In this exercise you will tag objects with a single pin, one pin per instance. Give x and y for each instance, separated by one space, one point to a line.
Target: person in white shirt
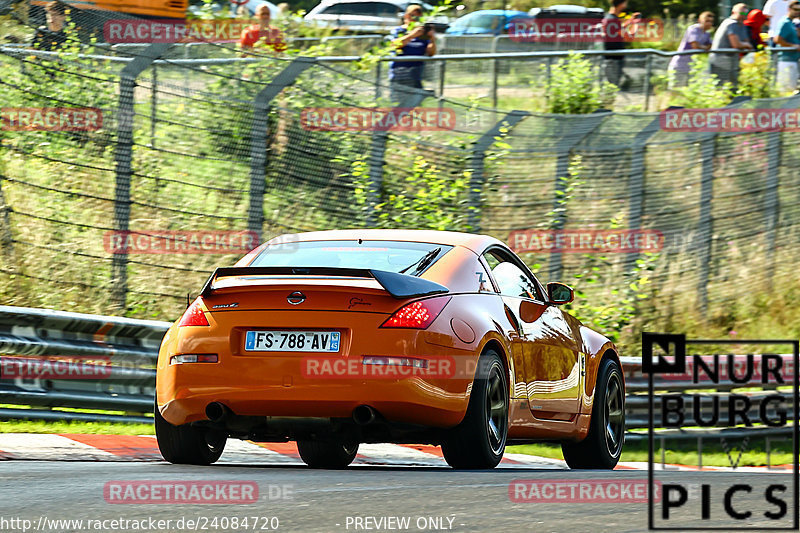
775 10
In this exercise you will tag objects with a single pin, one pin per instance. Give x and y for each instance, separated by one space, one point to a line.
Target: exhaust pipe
364 414
218 412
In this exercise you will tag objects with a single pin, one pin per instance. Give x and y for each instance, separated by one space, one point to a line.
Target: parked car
486 21
363 16
337 338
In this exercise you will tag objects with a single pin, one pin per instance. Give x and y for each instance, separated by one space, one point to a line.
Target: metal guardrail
117 356
128 349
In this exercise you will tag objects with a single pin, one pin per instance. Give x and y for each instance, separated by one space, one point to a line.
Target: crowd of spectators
743 31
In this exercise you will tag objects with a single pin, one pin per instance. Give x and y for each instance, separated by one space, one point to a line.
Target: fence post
378 73
705 222
258 140
476 181
771 203
412 98
153 103
647 72
123 156
636 183
6 237
593 121
442 73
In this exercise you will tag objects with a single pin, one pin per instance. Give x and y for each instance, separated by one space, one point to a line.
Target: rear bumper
278 386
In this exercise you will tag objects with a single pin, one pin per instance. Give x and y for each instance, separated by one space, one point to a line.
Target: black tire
333 455
480 440
602 447
186 444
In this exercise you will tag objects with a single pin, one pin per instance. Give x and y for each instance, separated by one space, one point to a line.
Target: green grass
98 428
682 452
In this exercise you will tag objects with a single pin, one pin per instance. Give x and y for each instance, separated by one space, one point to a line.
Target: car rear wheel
480 440
186 444
602 447
333 455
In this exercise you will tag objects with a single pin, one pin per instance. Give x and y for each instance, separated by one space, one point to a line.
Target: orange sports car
335 338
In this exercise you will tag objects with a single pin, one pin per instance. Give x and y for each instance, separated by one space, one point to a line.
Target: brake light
417 315
194 315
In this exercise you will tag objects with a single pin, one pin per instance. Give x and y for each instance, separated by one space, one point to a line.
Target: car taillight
194 358
194 315
417 315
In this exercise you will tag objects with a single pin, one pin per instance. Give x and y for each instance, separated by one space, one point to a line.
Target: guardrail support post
123 156
258 140
476 182
699 452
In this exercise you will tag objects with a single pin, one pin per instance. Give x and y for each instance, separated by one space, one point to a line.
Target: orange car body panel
551 380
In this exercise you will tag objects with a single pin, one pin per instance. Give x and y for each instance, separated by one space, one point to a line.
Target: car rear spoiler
398 285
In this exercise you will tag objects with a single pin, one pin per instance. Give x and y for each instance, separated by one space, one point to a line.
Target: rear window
393 256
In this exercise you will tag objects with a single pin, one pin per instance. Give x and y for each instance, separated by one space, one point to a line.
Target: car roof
400 3
476 243
507 12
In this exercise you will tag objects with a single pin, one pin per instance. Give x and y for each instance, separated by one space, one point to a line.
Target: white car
360 15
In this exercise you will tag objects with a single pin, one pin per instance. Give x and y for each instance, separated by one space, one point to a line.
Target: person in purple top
697 37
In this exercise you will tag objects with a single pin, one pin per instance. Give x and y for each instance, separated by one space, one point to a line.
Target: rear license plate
292 341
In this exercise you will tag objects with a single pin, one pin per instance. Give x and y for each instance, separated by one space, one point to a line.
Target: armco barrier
121 352
128 350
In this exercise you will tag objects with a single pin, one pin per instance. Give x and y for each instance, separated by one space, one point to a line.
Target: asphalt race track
361 498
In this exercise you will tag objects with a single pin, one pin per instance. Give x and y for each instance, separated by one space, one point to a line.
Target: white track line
46 447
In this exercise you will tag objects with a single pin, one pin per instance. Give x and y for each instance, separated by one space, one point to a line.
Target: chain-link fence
224 142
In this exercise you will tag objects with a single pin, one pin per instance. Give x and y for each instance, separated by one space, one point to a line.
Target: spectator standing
53 35
754 22
614 39
787 61
419 41
262 32
697 37
730 34
775 10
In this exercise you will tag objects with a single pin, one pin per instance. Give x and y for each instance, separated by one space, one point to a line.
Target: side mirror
560 294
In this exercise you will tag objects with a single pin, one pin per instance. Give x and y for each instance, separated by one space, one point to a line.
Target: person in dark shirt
52 36
614 39
419 41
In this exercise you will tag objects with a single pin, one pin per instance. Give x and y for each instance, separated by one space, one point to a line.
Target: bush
572 88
